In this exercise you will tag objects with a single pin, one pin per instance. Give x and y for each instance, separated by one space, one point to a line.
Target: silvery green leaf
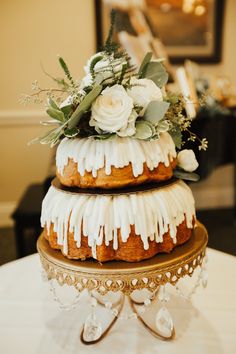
188 176
84 106
49 122
176 136
144 130
56 114
67 110
52 104
51 136
144 63
162 126
156 72
34 141
155 111
48 137
71 133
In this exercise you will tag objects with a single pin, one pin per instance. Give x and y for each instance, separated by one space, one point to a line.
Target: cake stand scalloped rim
123 276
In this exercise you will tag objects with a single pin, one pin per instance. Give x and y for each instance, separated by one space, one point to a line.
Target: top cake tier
114 163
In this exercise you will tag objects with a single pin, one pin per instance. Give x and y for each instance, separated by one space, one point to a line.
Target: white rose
129 130
143 92
111 110
186 159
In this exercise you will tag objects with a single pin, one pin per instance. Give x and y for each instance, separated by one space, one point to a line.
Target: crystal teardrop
204 278
92 329
163 296
164 322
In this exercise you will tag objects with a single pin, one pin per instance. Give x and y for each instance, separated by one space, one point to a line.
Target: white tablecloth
32 323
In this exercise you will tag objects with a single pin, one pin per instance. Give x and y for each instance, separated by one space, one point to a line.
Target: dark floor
219 223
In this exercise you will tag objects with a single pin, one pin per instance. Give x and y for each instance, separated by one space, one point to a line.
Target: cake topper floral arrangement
115 99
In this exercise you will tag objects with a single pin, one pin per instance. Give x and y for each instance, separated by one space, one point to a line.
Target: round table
31 321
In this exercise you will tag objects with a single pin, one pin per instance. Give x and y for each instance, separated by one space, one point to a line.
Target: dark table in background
27 214
220 131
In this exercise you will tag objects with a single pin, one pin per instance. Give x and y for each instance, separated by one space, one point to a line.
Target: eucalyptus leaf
144 63
53 104
49 122
52 136
144 130
188 176
48 137
162 126
67 110
156 72
155 111
71 133
176 136
84 106
56 114
34 141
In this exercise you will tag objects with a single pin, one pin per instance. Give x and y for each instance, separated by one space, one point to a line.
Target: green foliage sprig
71 119
67 72
180 122
110 47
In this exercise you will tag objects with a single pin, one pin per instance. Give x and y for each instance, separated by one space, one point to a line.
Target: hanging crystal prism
164 323
163 296
92 328
204 278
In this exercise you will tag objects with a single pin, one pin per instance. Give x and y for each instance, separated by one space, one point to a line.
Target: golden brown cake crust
130 251
119 177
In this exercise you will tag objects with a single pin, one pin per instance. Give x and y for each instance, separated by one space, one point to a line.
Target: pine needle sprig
110 46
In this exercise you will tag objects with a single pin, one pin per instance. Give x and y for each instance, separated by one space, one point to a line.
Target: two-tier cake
115 197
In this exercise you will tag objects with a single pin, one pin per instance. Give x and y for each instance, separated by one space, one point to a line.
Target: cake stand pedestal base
100 279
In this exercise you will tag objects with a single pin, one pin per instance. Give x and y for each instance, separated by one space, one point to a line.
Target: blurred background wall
36 31
32 32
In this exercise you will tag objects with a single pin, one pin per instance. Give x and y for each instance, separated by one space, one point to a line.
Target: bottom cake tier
128 227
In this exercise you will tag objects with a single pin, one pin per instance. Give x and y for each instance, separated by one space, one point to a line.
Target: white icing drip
99 217
92 155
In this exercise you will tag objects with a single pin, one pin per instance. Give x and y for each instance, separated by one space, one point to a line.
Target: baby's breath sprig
204 144
35 85
24 99
181 122
36 96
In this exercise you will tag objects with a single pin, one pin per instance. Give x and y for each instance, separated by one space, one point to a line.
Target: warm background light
36 31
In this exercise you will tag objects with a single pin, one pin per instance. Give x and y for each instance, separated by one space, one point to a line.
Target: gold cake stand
125 277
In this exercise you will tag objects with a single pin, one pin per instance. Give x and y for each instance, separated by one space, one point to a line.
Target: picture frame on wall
187 29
